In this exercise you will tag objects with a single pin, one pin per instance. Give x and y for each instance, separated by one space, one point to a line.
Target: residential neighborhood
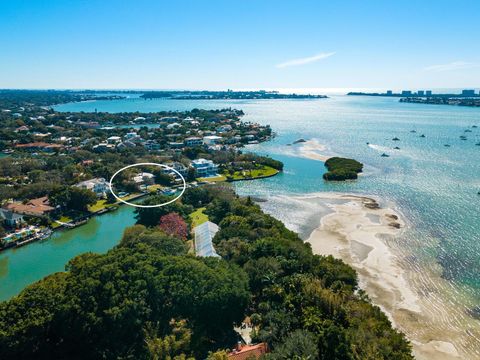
55 167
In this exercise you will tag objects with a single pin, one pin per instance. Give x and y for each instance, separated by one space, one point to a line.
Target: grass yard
63 219
154 188
261 171
198 217
99 205
213 179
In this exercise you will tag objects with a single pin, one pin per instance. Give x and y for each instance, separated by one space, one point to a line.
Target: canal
22 266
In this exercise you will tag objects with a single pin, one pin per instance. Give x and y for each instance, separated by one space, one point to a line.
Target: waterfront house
11 219
34 207
98 185
178 167
205 168
144 178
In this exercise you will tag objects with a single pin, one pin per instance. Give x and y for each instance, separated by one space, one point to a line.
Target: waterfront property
144 178
182 169
11 219
33 207
98 185
204 168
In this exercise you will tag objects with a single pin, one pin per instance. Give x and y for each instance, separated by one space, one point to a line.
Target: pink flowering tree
174 225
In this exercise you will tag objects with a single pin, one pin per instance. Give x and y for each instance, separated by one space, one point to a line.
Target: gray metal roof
204 234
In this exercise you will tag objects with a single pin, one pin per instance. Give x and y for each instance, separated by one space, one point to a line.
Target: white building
144 178
114 139
205 168
212 140
173 125
98 185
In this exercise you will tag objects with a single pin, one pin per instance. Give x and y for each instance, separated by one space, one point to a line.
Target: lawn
99 205
130 197
63 219
154 188
213 179
198 217
261 171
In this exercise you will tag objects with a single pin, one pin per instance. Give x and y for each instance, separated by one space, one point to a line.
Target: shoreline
357 231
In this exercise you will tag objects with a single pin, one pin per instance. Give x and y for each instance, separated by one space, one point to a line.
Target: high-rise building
468 92
420 93
406 93
389 92
429 92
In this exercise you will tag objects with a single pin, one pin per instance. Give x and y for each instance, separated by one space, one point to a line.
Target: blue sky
239 44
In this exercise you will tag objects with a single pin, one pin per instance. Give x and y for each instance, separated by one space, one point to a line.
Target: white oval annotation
147 164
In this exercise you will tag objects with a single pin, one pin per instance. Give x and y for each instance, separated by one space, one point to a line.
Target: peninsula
443 100
226 95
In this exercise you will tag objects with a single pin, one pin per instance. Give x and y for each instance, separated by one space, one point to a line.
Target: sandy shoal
356 232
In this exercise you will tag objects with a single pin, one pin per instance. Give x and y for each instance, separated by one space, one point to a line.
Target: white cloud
455 65
306 60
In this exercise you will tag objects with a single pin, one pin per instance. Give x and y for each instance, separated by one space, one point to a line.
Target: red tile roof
244 352
38 206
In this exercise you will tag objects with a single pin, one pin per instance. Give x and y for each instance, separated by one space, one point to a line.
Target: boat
446 145
395 139
477 144
396 148
168 191
413 131
385 155
463 137
422 136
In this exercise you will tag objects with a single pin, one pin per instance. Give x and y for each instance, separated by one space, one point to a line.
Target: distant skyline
242 44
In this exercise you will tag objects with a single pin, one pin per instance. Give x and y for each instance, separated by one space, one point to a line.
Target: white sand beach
356 232
312 149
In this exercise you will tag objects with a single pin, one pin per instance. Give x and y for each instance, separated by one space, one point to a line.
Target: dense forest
148 298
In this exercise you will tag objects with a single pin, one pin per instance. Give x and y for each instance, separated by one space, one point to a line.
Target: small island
341 169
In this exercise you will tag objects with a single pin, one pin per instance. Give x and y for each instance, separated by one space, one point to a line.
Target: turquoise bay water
434 186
